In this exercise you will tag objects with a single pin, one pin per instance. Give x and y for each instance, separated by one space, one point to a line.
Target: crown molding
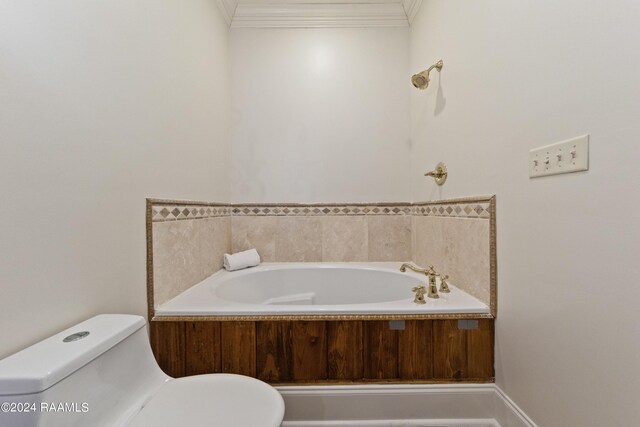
227 9
320 15
411 8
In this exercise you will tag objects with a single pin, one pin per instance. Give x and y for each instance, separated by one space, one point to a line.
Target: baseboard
394 423
511 413
372 405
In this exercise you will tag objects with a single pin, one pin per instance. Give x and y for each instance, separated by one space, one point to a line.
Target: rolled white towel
241 260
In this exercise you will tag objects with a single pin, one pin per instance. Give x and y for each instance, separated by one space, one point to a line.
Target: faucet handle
420 291
444 287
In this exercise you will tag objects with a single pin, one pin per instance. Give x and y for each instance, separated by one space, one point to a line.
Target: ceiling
318 13
284 2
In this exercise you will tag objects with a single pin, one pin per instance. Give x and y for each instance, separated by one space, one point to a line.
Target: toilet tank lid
47 362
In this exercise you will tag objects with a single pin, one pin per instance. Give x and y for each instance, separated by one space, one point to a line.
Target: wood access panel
331 351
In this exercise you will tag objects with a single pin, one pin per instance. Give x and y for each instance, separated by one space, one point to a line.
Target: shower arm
438 65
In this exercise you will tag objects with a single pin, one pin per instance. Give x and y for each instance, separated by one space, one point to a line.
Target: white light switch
567 156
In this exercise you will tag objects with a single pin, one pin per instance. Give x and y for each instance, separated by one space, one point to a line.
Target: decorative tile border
176 212
456 210
321 210
172 210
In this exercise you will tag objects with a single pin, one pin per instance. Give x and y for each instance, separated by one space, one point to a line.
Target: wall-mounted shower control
562 157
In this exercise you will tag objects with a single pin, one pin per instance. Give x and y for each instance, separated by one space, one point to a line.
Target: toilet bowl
102 372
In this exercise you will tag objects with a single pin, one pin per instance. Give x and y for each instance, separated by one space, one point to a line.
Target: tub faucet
431 274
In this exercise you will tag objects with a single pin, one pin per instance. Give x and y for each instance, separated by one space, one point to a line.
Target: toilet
101 372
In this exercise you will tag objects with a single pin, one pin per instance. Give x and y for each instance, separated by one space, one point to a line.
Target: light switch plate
567 156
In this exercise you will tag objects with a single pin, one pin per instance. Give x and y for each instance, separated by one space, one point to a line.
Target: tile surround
298 239
345 238
186 252
389 238
330 238
458 236
254 232
459 247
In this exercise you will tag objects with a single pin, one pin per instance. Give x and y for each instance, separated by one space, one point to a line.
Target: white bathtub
315 289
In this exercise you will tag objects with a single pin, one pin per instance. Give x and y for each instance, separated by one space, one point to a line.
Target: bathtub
316 289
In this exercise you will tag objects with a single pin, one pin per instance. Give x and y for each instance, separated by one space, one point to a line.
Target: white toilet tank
97 379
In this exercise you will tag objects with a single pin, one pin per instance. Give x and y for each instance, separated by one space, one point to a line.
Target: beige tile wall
389 238
187 251
324 238
459 247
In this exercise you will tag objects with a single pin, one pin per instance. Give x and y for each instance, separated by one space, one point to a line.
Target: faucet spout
411 267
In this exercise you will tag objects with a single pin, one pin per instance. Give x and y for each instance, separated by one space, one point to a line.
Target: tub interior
317 286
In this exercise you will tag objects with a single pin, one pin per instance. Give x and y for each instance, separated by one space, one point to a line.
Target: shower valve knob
440 174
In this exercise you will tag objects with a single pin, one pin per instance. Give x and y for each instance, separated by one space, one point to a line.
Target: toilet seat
223 400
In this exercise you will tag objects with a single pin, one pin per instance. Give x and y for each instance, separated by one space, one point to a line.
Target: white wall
320 115
102 103
517 75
